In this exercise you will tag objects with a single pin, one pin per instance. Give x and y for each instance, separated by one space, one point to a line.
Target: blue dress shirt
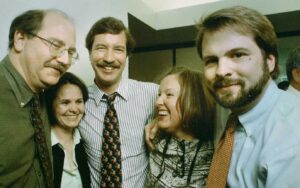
266 151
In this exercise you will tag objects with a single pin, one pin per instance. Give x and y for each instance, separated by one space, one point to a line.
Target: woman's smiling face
169 117
68 106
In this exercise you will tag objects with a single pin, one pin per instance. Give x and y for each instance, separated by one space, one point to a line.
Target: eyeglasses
57 49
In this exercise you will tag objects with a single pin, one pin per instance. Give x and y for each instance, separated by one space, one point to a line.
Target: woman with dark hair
65 103
184 143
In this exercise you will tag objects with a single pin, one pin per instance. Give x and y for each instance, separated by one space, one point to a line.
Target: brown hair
52 92
30 22
109 25
197 107
244 21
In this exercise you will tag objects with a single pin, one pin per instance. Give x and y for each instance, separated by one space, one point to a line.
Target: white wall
84 12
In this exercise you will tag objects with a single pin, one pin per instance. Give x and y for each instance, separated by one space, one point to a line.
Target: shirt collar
20 88
249 120
293 90
96 93
54 139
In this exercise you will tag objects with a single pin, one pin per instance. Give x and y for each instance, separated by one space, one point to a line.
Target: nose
159 101
64 58
73 107
109 56
224 67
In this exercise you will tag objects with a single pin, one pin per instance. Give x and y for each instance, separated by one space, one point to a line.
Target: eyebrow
62 43
120 46
172 90
237 49
227 52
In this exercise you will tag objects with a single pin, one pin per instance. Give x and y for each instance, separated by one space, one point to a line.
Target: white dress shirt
134 105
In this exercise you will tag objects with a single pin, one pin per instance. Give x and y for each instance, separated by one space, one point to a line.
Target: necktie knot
232 123
110 98
35 103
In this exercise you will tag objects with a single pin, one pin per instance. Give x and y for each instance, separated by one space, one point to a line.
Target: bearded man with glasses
41 49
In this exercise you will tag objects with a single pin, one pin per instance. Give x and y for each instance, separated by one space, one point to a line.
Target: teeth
108 68
163 113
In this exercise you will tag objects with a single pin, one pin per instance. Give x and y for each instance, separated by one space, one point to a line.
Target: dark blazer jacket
81 159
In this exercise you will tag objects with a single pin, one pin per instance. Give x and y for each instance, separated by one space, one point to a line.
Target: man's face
108 58
40 68
235 69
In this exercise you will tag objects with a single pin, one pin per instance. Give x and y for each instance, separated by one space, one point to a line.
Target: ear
296 75
271 62
19 40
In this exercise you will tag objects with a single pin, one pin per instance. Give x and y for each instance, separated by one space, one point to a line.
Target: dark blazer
81 159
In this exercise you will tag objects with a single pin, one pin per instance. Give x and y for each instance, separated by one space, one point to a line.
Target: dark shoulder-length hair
52 92
196 105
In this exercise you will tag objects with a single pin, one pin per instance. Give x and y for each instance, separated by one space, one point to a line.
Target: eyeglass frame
60 49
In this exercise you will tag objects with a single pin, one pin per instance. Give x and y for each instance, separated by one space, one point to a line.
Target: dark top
19 163
81 159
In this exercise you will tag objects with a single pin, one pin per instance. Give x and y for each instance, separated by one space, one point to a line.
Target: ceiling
164 14
164 23
162 5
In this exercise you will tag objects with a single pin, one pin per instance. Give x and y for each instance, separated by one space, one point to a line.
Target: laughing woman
184 143
65 102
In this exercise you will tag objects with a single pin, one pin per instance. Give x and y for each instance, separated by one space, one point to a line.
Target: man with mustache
238 48
41 49
109 43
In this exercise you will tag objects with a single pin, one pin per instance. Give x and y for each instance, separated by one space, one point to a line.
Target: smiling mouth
72 118
163 113
227 86
108 68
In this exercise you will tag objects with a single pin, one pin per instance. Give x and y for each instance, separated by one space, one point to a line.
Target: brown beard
244 97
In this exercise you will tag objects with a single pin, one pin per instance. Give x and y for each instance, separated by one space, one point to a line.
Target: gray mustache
58 66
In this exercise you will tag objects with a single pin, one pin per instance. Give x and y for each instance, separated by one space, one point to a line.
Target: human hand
150 132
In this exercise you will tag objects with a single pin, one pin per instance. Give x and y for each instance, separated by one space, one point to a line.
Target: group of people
56 132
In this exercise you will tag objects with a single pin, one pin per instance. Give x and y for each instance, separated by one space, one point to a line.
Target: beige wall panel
188 57
147 66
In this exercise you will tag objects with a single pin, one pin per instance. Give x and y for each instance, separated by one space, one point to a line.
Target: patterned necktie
40 141
219 169
111 171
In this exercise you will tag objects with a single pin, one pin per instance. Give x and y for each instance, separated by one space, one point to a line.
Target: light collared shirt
70 177
134 105
266 151
293 91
